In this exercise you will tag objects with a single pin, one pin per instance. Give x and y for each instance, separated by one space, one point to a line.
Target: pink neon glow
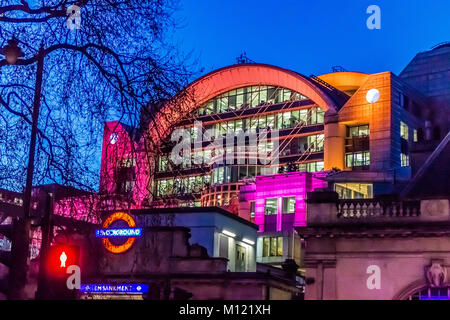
295 184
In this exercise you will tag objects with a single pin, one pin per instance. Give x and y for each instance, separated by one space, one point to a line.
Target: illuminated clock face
373 95
113 138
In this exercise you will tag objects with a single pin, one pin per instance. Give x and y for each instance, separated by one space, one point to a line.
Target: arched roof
233 77
345 80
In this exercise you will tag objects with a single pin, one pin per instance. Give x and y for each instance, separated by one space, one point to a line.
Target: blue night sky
311 36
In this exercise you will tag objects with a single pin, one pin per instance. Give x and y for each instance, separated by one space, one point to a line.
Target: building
253 134
383 248
321 123
221 233
170 267
276 204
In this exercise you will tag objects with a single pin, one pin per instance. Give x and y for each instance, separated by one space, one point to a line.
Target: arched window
431 293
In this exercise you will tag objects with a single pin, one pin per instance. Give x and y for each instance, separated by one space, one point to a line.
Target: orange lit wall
358 111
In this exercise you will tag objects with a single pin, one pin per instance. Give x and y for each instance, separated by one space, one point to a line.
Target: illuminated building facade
356 129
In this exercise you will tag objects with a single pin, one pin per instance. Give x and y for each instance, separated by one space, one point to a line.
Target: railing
372 208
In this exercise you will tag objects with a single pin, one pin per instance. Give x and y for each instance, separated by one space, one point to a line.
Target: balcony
372 208
326 210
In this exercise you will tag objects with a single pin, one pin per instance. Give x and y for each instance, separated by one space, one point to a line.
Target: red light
62 256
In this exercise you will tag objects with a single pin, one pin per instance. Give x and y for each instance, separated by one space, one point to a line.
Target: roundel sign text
119 232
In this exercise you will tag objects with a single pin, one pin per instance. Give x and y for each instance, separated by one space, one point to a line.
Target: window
252 209
288 205
415 136
431 293
271 206
358 131
357 159
163 163
304 116
315 143
320 115
354 190
404 159
272 246
403 130
314 166
313 118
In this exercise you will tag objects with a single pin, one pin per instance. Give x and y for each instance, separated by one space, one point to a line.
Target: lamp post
21 236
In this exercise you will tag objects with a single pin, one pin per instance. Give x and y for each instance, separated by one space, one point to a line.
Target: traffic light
59 258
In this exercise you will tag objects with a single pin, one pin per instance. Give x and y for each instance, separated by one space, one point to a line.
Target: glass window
320 139
210 107
272 246
271 95
404 159
295 115
255 99
218 175
222 105
279 246
238 125
252 209
304 116
263 96
266 246
271 121
313 118
320 115
286 95
320 166
415 135
286 120
279 118
357 159
271 206
239 100
358 131
403 130
262 124
163 161
253 124
232 102
354 190
288 205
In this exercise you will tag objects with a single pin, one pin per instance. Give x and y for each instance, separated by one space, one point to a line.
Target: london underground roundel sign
119 232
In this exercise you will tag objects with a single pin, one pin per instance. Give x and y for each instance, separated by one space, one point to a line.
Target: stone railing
368 208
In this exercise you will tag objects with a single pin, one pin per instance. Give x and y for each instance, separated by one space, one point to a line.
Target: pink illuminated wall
118 146
294 184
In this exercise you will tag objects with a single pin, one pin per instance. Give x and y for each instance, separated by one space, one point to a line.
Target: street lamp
12 52
21 239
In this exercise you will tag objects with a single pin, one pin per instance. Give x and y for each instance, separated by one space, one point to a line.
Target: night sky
311 36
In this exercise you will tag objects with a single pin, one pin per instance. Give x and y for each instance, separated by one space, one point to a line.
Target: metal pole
47 235
21 239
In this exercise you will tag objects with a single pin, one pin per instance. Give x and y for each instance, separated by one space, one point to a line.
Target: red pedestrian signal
62 256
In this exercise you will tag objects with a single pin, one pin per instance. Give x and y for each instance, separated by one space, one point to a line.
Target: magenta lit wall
294 184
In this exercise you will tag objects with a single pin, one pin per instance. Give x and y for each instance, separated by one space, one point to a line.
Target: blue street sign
123 232
114 288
